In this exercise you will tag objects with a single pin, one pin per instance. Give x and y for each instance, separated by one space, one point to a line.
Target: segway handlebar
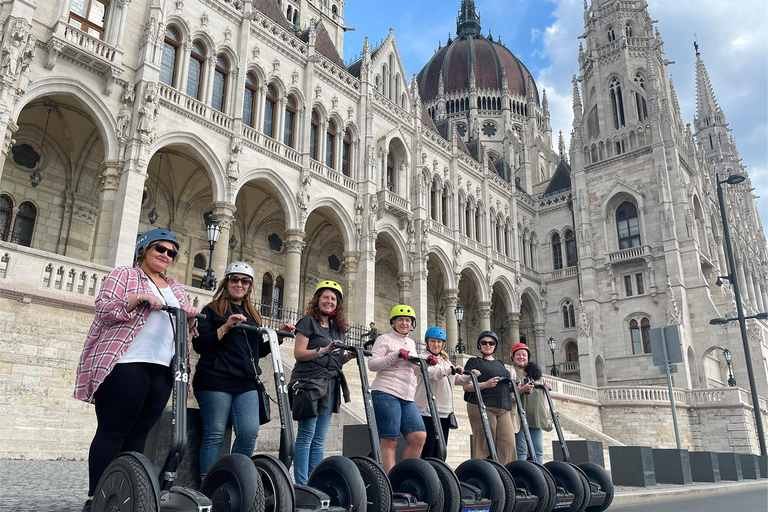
513 384
263 330
351 348
493 455
555 421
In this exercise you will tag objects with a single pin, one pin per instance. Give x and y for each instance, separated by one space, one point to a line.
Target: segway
534 486
130 482
599 485
335 484
477 484
412 485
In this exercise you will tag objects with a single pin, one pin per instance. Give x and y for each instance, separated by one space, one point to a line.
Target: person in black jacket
225 377
317 378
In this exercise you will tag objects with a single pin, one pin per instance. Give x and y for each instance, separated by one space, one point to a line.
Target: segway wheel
276 481
567 477
509 485
531 477
234 485
418 478
600 477
481 474
126 486
339 478
450 484
378 493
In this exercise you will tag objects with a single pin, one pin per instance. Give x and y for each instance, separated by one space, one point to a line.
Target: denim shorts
394 415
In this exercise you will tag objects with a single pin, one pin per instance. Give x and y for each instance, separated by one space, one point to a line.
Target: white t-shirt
154 343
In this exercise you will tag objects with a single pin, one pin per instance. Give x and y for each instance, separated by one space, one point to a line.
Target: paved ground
60 486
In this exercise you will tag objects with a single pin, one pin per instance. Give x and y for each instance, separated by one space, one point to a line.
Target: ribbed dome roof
456 59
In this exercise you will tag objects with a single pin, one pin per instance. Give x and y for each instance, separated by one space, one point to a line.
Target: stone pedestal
705 467
632 465
159 441
750 466
357 442
763 461
730 466
672 466
580 451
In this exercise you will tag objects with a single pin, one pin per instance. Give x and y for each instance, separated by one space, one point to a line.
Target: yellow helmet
403 310
331 285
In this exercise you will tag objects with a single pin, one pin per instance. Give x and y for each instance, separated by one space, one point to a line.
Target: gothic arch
197 146
443 261
395 240
509 297
482 291
339 214
285 195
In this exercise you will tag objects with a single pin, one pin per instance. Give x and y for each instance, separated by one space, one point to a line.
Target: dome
457 58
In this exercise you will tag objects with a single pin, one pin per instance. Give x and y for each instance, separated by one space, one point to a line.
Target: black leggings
430 445
128 403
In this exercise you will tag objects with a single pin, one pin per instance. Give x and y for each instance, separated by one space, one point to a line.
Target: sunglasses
161 249
488 343
243 280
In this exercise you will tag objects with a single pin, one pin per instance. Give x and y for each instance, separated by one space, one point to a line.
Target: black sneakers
87 506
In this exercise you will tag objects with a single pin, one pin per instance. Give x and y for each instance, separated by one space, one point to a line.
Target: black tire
276 481
567 477
234 485
418 477
530 477
509 485
450 484
482 474
339 478
126 486
598 475
378 492
550 485
585 486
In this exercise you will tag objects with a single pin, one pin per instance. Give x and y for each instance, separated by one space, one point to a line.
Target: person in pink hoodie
394 388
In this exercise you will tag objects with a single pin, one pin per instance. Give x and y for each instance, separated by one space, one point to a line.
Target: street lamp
212 230
735 179
459 311
727 356
552 345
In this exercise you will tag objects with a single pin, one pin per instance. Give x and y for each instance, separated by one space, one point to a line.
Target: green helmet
331 285
403 310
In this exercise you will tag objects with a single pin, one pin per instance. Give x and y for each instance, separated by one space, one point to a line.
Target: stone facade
318 170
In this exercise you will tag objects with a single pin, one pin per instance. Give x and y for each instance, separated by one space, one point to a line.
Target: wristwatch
318 351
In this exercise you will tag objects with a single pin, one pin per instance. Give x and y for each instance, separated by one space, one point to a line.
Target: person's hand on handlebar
150 300
191 312
526 388
431 360
490 383
287 327
232 321
403 353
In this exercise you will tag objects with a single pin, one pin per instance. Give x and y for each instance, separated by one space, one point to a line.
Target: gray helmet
239 267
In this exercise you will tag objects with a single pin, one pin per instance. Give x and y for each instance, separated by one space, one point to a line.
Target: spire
544 102
561 146
706 104
441 113
472 80
577 107
468 21
504 81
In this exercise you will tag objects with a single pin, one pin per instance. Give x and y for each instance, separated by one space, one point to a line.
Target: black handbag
452 423
265 411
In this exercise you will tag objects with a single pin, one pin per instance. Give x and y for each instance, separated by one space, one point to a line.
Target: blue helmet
435 332
155 235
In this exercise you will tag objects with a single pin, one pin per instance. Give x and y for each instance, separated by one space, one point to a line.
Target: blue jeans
538 445
216 407
310 444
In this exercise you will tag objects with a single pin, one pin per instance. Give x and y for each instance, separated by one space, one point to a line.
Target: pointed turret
577 107
441 112
468 21
561 146
707 109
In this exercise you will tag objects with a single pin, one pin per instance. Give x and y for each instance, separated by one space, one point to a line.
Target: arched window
89 16
346 153
593 124
266 294
571 255
220 75
628 29
572 315
330 145
642 107
433 201
390 172
467 219
249 99
24 225
611 34
6 212
445 207
385 80
195 74
499 235
277 298
506 241
378 83
170 54
557 253
314 132
617 103
640 336
269 111
627 225
477 224
571 351
290 121
198 270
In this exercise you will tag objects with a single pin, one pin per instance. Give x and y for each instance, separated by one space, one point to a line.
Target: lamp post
552 345
212 230
727 356
459 311
735 179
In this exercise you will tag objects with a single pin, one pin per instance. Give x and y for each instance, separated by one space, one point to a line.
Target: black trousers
430 445
128 404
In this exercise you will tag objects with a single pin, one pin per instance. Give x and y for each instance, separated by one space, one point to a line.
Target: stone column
484 311
110 179
351 267
514 327
541 350
404 280
294 245
450 298
418 299
759 305
224 212
8 142
365 286
750 288
721 255
742 279
127 208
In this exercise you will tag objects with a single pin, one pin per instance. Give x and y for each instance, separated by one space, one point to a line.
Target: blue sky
543 34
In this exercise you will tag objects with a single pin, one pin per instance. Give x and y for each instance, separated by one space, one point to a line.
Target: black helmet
489 334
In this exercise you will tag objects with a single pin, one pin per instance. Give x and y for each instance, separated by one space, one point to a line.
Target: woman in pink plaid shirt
125 365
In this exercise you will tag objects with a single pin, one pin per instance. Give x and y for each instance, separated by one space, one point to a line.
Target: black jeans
430 445
128 403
